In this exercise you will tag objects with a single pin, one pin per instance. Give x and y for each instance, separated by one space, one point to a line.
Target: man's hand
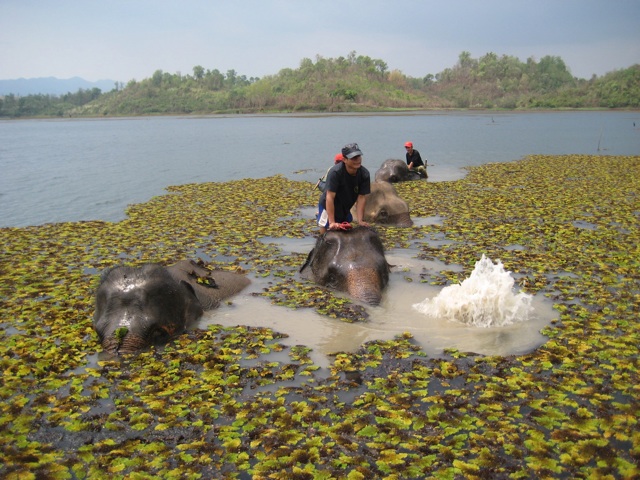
340 226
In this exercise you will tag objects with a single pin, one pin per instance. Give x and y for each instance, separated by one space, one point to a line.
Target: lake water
91 169
395 315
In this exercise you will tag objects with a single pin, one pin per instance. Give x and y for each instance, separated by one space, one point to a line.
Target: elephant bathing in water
385 206
352 261
141 306
393 171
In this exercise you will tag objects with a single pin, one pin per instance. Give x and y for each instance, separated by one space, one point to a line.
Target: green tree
156 78
214 80
552 73
198 72
231 78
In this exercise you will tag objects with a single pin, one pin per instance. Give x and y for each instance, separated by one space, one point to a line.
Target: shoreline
306 113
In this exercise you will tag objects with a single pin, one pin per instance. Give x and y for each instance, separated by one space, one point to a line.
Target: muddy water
396 314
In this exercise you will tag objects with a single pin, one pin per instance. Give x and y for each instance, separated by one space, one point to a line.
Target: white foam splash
485 299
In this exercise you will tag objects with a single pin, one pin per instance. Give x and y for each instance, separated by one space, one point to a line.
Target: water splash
485 299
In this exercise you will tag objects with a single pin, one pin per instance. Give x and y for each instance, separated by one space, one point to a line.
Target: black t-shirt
415 158
347 188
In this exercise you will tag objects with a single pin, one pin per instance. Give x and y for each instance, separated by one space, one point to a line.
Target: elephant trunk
365 284
130 343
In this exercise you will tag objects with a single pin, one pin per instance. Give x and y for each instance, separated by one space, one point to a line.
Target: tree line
351 83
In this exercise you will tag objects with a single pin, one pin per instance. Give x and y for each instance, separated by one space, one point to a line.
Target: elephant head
385 206
352 261
141 306
394 170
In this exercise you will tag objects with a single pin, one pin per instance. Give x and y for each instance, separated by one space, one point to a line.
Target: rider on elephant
414 160
348 184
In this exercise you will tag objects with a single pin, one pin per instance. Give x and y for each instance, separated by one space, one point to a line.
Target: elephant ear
189 288
307 262
306 270
194 308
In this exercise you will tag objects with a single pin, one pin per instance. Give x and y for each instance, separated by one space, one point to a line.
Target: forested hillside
351 83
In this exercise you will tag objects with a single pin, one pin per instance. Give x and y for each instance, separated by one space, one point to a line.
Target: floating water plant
237 403
120 333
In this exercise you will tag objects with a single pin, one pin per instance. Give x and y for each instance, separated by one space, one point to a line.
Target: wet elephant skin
352 261
394 170
148 305
385 206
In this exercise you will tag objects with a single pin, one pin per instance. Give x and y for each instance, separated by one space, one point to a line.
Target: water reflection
392 317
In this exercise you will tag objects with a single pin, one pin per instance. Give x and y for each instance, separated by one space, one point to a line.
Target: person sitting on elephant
322 183
348 184
414 160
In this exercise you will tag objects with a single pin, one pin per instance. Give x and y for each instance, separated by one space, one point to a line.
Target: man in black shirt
348 183
414 160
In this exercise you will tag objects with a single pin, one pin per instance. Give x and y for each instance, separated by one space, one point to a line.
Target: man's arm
410 161
331 207
360 203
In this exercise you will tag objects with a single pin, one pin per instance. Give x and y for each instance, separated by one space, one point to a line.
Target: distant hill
344 84
52 86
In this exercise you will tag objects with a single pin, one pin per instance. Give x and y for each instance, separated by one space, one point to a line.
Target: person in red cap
322 183
414 160
348 184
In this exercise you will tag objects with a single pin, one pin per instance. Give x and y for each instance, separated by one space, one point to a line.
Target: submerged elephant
385 206
352 261
394 170
148 305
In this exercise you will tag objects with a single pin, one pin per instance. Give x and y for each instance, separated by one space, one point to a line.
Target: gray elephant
352 261
148 305
385 206
393 170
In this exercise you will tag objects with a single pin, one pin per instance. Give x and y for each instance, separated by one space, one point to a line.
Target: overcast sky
122 40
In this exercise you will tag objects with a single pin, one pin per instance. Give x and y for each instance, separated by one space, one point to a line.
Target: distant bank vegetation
351 83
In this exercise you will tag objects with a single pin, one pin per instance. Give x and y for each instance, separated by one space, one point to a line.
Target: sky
121 40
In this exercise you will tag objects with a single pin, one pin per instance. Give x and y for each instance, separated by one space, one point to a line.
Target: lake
91 169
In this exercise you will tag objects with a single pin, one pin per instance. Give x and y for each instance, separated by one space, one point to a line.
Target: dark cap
351 150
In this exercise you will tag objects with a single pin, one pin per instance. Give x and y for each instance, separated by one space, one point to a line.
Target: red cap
408 144
338 158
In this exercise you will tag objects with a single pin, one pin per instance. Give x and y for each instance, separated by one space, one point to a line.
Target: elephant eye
331 279
383 214
159 336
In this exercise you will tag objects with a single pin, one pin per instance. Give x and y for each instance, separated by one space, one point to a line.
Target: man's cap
351 150
408 145
338 158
